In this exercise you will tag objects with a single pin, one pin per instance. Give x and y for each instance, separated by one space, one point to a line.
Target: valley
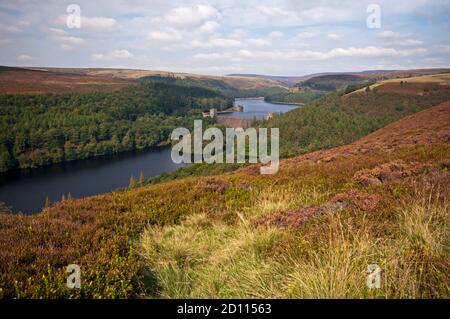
357 169
223 158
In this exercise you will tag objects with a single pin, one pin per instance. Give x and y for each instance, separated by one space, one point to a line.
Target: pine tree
47 202
141 178
132 182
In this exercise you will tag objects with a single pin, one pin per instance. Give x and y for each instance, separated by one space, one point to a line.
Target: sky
283 37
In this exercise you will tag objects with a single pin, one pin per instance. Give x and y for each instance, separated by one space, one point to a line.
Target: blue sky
284 37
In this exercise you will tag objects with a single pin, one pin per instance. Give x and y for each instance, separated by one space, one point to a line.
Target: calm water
26 190
258 108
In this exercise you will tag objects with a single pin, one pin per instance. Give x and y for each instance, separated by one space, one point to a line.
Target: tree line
334 120
39 130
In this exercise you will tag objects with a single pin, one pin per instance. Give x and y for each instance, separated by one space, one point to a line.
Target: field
415 85
20 81
240 82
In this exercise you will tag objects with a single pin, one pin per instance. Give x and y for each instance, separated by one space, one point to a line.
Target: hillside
239 82
287 80
414 85
221 86
41 129
378 74
330 121
332 82
41 80
20 81
337 120
308 231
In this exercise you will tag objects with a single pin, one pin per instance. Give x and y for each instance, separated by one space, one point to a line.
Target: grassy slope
133 74
417 83
220 85
247 235
334 120
25 81
331 82
304 96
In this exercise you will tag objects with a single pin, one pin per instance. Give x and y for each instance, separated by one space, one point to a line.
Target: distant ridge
292 80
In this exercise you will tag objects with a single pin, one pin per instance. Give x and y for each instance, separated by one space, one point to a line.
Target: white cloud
214 69
66 42
398 38
246 54
56 32
216 43
165 36
99 23
290 13
307 35
411 42
275 34
8 28
189 27
70 40
5 41
258 42
66 47
114 55
372 52
211 56
308 55
443 48
209 27
93 23
24 58
276 12
333 36
193 16
121 54
238 34
215 35
389 34
14 28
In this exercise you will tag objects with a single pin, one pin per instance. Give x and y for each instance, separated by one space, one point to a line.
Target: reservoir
26 190
258 108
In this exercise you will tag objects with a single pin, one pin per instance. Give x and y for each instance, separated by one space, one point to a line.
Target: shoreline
285 103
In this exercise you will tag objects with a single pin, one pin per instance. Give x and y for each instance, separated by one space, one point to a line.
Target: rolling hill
308 231
41 80
414 85
240 82
378 74
34 81
286 235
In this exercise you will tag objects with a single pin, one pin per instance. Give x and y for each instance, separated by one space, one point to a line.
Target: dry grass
203 259
197 237
441 79
326 259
